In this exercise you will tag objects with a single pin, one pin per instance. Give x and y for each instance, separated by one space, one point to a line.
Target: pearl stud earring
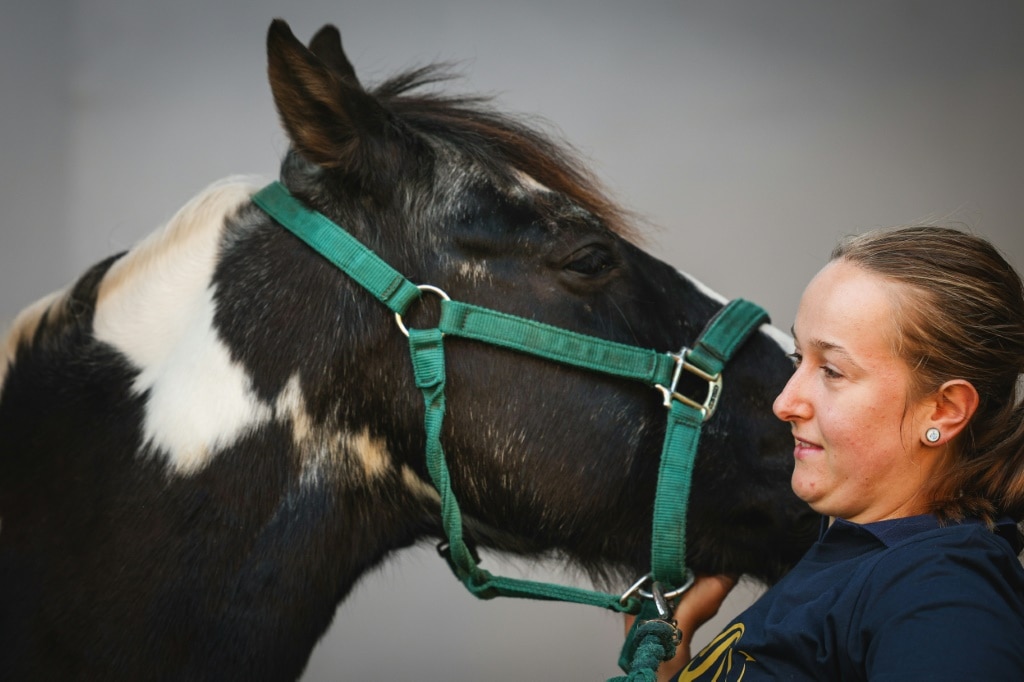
932 435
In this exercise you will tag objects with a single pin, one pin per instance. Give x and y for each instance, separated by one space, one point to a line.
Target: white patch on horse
334 453
24 327
309 441
370 452
156 306
291 405
325 451
474 272
704 288
780 337
418 486
784 340
530 184
200 401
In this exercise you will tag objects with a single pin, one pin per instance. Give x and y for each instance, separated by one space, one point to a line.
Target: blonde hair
959 315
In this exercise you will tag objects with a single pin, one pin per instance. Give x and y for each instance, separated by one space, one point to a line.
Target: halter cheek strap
669 576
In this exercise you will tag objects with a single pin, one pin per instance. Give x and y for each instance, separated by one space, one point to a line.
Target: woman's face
858 453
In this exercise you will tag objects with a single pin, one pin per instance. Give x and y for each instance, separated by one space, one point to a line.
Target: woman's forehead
846 308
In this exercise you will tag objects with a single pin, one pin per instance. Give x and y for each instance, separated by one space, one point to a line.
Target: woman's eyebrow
822 345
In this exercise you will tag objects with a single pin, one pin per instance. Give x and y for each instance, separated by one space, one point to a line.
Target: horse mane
500 143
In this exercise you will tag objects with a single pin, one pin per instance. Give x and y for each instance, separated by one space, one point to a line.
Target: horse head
486 208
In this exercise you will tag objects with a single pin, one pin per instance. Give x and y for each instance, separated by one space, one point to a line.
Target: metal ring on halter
421 287
637 588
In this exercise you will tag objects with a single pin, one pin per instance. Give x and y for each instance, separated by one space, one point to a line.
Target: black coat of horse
205 441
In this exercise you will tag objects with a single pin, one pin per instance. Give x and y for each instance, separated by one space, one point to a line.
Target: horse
206 440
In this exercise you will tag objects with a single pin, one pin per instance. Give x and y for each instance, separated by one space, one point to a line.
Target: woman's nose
790 404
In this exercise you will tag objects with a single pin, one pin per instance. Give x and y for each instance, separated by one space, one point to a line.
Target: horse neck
197 460
211 389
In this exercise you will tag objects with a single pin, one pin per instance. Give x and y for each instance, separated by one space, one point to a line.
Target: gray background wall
750 134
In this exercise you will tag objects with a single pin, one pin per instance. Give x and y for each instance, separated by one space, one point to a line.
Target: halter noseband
724 334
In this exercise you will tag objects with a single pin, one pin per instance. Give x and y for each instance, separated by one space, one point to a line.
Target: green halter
725 333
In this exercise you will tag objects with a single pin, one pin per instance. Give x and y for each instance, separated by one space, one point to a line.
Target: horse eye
590 260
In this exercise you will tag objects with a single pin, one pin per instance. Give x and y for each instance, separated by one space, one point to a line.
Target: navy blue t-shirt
905 599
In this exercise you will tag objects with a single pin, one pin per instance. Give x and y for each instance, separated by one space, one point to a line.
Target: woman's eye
831 373
591 260
827 370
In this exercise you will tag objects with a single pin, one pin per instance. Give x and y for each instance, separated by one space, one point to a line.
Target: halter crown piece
650 596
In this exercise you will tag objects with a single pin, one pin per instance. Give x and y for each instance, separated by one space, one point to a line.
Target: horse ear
326 45
329 118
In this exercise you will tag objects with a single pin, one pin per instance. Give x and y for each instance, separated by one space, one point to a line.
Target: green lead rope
651 642
652 639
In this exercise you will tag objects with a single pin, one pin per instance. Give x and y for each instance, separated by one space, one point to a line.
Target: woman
909 440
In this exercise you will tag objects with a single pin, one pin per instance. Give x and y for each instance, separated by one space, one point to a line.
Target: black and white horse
205 441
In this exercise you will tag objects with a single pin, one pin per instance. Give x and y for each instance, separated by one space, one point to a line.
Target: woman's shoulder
953 566
953 592
907 539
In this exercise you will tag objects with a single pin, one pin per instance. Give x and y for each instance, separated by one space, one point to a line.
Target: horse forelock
515 150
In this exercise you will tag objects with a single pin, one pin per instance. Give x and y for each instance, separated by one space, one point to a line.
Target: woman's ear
948 411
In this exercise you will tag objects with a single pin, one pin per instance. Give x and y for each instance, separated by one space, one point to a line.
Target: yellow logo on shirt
720 660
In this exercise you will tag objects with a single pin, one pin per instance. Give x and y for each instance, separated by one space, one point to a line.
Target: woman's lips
804 449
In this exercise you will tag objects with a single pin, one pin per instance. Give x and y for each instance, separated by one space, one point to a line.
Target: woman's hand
698 605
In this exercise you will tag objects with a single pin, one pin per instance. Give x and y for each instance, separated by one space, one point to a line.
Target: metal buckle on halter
656 593
707 408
